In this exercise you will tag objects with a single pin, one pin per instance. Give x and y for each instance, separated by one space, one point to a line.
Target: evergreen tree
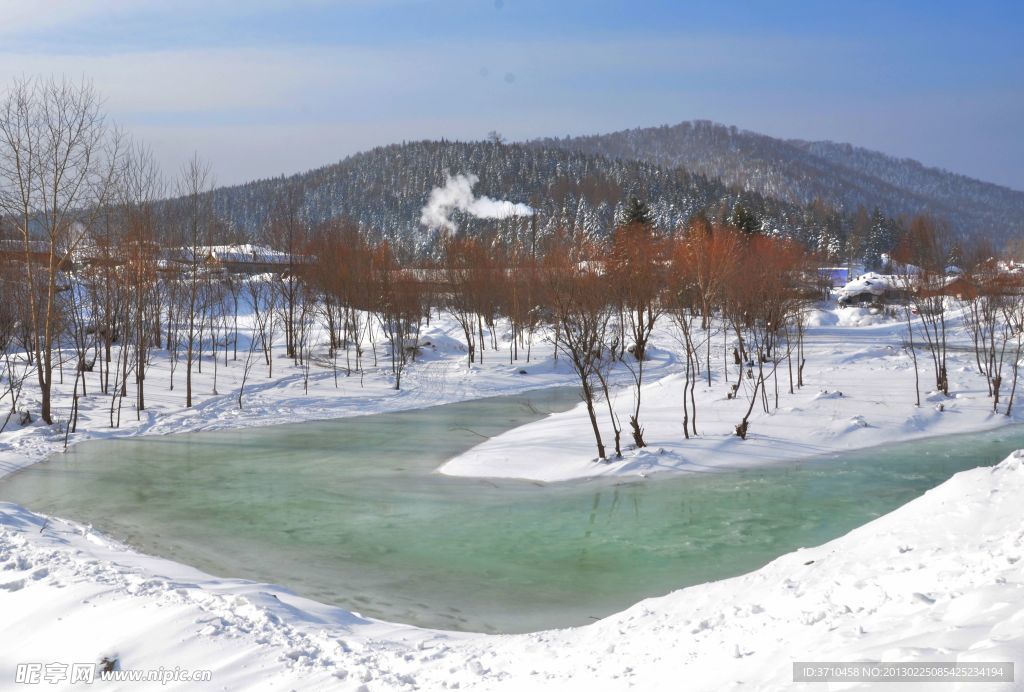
745 220
956 257
858 236
882 238
636 212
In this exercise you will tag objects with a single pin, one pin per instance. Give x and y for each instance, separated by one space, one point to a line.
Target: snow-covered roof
875 284
244 253
952 278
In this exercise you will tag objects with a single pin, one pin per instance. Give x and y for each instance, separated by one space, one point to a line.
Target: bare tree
636 268
195 181
1013 326
399 309
581 310
263 299
56 164
924 250
760 300
140 185
14 368
286 231
984 298
466 273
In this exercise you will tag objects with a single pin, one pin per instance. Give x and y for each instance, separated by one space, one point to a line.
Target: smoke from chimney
457 193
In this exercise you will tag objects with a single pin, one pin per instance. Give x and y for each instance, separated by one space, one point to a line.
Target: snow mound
437 340
860 317
848 425
822 318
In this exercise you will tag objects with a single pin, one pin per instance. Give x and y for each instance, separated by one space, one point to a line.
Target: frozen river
351 512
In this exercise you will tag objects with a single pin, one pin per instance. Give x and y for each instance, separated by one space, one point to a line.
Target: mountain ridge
799 171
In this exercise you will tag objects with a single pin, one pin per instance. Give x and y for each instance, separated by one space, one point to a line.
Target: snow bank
859 392
940 579
439 376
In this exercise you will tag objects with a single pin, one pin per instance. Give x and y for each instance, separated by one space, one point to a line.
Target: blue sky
265 87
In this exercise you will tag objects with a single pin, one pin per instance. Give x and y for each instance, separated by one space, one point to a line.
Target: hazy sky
265 87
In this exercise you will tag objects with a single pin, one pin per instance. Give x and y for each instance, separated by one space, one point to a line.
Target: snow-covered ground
859 392
896 589
439 376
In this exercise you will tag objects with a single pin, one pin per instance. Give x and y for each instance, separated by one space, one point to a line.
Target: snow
439 376
242 253
875 284
859 393
939 579
895 589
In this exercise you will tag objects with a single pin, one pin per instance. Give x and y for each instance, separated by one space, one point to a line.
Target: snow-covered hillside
800 171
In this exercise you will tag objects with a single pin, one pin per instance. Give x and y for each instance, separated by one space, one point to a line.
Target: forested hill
385 188
799 171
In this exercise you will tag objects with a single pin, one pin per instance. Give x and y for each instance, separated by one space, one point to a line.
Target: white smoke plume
457 193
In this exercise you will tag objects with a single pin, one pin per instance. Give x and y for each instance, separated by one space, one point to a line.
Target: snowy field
895 589
859 392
